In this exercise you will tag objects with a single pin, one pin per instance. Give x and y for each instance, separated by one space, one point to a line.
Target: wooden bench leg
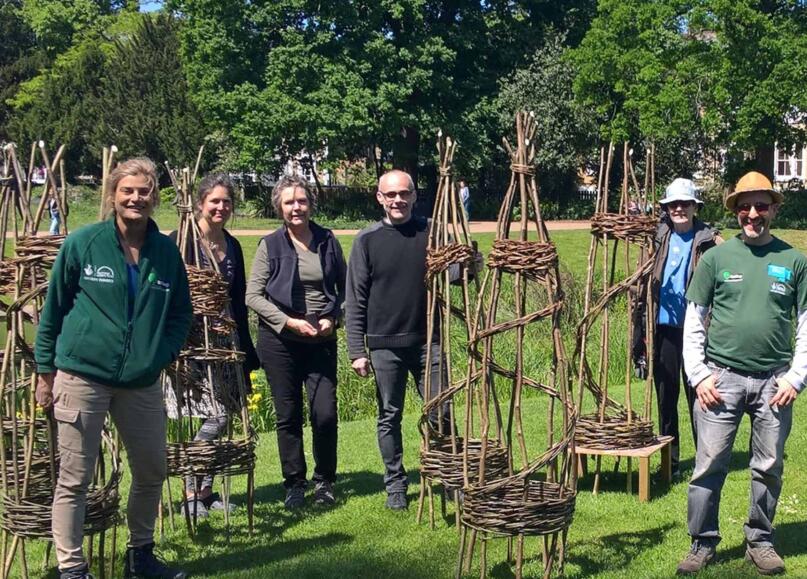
666 463
644 479
582 465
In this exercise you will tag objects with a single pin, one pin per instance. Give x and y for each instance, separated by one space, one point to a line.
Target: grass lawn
613 535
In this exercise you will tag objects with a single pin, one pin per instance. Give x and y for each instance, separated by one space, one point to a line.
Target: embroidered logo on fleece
101 274
161 284
729 277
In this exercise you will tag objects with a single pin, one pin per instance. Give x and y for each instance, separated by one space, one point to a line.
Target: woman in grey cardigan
297 287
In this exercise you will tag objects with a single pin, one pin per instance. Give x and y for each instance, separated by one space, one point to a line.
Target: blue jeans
717 428
391 368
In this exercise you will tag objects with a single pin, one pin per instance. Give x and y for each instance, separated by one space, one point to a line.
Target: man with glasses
386 314
749 288
681 240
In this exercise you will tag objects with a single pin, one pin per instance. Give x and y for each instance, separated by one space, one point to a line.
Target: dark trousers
392 368
668 371
289 365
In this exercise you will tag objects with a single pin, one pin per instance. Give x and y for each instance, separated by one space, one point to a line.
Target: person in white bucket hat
681 239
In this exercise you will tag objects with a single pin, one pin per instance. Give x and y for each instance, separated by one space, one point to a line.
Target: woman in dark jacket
297 287
214 206
680 241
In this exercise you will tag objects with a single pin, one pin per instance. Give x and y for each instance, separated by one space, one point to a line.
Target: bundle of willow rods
613 432
43 249
530 507
630 228
532 258
30 516
217 457
443 460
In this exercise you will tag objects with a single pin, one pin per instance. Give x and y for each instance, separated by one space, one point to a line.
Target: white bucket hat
681 190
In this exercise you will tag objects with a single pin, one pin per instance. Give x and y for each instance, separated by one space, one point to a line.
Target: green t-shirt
754 293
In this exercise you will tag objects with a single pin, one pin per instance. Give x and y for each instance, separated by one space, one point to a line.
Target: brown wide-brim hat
750 183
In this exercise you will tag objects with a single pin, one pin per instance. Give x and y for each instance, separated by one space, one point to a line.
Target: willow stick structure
520 296
209 369
28 451
622 297
450 280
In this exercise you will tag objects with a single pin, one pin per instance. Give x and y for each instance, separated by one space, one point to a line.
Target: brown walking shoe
699 557
765 559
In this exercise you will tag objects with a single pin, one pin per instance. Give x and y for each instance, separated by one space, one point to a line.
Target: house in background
790 168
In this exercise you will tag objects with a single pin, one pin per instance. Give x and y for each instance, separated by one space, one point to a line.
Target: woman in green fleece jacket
117 312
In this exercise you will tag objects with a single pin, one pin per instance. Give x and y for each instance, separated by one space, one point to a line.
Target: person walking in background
55 216
749 289
297 288
681 239
465 196
96 353
386 314
215 200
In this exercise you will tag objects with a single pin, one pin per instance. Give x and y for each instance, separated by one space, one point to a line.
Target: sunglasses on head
745 208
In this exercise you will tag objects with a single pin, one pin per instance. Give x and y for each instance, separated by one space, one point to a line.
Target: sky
150 6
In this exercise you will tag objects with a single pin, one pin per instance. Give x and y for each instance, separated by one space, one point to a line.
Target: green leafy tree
290 75
20 58
566 130
143 104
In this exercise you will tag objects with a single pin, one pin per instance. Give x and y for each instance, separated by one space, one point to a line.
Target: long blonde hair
142 166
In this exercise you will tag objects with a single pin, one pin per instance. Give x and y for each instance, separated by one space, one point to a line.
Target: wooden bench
643 454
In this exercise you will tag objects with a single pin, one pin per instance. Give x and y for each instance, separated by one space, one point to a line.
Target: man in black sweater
386 314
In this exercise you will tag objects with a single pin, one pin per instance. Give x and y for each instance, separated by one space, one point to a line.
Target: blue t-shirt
672 303
133 280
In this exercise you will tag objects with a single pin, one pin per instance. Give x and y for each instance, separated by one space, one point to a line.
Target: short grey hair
296 182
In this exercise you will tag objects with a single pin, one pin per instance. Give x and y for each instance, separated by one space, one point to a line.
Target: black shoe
397 501
80 572
323 493
141 563
295 497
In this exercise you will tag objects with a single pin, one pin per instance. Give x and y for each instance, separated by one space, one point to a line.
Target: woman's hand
301 327
325 326
44 391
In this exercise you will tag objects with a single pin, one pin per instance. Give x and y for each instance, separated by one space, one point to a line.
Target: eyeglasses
745 208
680 204
391 195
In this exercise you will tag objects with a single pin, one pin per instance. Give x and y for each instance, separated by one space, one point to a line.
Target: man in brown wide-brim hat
752 285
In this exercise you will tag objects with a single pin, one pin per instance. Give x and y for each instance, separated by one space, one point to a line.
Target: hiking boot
295 497
699 557
397 501
765 559
323 493
80 572
142 563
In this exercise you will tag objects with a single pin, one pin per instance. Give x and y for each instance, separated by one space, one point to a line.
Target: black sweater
386 291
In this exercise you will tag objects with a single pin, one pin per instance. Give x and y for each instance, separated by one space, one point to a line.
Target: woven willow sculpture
28 450
614 425
208 372
534 497
449 280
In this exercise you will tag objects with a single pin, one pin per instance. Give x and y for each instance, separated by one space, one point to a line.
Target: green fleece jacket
85 327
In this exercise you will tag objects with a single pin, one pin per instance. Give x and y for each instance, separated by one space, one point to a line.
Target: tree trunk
764 160
405 152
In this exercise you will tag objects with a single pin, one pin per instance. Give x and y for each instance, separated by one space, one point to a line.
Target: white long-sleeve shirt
694 348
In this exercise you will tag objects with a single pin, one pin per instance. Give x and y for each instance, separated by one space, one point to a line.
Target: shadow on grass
348 485
613 552
789 542
242 557
739 461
